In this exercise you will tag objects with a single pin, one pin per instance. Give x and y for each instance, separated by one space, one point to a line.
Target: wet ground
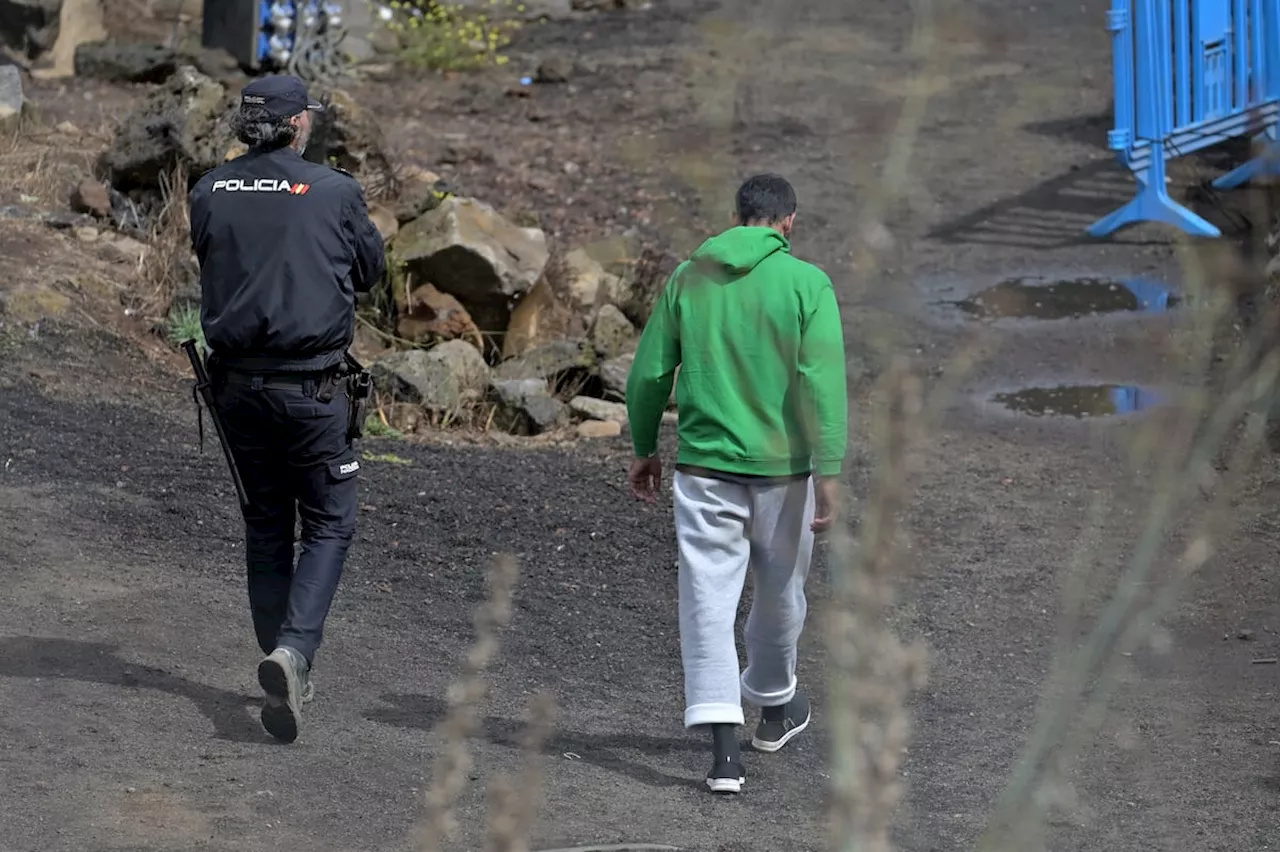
1080 400
1048 300
126 661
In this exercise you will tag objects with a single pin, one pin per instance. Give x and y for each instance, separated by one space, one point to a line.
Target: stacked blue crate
280 21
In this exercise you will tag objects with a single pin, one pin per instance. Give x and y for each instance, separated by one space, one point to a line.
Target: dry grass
44 163
166 266
474 412
513 804
461 722
871 672
40 165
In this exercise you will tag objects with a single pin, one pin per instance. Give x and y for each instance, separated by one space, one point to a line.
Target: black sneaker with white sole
283 677
780 725
726 776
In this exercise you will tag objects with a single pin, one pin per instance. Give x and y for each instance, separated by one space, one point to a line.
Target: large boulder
526 407
642 267
443 378
539 319
615 372
11 98
346 135
183 124
429 315
385 221
216 63
586 284
612 333
30 26
80 21
419 191
465 248
125 62
599 409
549 362
613 375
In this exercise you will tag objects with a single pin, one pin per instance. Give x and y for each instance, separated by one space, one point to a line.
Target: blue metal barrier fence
1190 74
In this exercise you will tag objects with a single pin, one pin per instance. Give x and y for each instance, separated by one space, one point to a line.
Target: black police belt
348 375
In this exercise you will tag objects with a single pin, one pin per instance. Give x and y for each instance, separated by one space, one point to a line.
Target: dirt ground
127 690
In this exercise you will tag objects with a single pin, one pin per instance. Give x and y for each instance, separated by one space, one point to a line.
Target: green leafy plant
441 36
375 428
184 325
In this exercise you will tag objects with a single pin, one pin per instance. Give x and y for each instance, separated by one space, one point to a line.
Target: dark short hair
765 198
257 128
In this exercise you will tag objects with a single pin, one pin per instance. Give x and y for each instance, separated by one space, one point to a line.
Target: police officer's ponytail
258 129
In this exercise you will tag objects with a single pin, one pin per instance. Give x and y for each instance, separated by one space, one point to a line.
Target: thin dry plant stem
514 807
464 697
1076 576
1020 815
871 671
1214 523
410 344
1126 620
897 167
170 243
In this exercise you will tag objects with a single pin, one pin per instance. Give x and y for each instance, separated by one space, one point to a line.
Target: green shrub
375 428
184 325
442 36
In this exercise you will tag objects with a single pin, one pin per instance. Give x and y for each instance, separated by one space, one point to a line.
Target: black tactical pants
296 459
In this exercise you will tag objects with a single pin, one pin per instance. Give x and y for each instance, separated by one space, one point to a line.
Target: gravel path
126 657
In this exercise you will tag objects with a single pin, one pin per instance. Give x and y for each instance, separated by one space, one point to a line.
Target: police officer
284 245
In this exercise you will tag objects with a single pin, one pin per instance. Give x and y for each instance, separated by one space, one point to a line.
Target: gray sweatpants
722 528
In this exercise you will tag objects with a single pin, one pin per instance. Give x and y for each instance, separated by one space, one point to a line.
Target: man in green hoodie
757 337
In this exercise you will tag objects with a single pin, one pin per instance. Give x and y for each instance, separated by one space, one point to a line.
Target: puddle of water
1080 401
1079 297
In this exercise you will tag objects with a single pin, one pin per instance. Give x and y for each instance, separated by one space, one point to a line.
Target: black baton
205 389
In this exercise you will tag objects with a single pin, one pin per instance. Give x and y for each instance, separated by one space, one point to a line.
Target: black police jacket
284 245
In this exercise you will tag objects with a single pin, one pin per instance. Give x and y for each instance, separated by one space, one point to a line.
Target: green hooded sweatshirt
759 342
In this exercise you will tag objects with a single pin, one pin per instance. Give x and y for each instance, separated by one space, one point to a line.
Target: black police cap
280 95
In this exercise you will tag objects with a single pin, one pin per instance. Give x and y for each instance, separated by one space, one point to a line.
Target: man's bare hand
828 503
646 479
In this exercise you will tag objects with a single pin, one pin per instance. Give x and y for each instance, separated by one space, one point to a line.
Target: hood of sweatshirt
737 251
